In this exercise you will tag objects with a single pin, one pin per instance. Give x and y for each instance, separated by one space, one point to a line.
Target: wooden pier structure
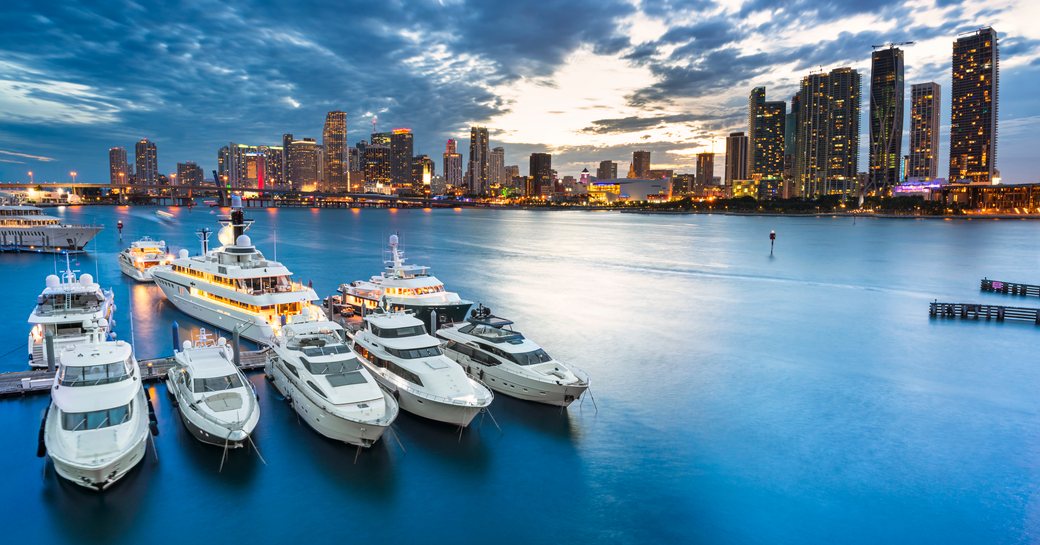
40 380
1010 288
978 311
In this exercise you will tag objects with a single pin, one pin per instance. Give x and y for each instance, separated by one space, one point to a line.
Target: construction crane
891 44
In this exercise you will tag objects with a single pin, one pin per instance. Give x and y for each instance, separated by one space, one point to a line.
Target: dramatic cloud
586 80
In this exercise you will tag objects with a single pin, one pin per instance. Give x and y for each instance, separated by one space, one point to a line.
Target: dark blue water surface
742 398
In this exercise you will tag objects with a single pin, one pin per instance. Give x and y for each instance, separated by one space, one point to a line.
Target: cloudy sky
583 79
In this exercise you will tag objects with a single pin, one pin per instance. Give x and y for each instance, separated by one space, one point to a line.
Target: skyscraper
287 139
118 170
973 118
146 159
540 173
765 136
827 147
607 170
640 164
304 165
377 164
923 162
736 157
334 140
497 167
189 174
422 174
791 188
477 168
886 117
452 164
401 156
705 168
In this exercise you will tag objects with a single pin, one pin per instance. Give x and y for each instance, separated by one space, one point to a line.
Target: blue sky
583 79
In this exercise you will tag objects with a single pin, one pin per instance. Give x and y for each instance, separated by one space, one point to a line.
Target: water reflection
545 419
467 451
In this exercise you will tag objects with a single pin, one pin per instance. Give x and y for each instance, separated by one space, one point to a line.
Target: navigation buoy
119 226
772 241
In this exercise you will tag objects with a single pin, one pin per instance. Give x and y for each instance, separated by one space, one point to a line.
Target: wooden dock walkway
40 380
977 311
1010 288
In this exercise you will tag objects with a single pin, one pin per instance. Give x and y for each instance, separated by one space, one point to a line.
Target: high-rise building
607 170
452 164
304 165
736 157
377 164
973 118
766 121
886 118
243 166
513 176
705 168
382 138
497 167
189 174
923 162
146 160
540 173
422 174
287 139
640 165
790 188
401 156
477 169
827 147
118 170
334 140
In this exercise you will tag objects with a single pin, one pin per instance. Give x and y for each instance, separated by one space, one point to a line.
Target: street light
73 174
31 179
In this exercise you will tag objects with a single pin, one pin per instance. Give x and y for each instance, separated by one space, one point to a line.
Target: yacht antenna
130 293
203 235
275 233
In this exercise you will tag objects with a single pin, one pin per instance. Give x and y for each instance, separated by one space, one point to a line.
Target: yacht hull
353 432
209 432
47 238
448 413
222 317
101 477
520 387
134 272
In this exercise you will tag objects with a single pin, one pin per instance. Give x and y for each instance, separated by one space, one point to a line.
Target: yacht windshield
415 353
327 350
492 333
93 375
339 372
216 384
530 358
397 333
96 420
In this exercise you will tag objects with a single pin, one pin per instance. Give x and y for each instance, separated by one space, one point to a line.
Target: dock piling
48 341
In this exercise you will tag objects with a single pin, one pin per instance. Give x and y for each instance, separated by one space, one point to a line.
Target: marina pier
1009 288
979 311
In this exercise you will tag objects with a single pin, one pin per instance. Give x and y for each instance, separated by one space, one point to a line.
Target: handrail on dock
979 311
1009 288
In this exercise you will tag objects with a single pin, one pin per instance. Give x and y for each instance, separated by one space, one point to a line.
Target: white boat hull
210 432
103 476
353 432
222 317
47 238
440 411
135 273
521 387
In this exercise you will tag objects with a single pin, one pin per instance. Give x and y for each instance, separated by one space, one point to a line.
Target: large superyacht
404 287
235 285
74 310
27 229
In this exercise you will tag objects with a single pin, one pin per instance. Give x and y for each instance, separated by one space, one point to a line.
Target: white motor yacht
408 362
138 260
403 287
27 229
235 285
96 427
490 350
311 366
217 404
74 310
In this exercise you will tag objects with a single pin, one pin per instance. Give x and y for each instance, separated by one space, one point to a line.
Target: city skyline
590 96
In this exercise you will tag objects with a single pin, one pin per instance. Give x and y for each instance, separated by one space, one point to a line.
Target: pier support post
176 337
48 343
236 346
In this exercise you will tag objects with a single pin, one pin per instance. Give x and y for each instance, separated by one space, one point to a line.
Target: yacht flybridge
73 310
96 427
235 285
217 404
408 362
138 260
311 365
403 287
489 349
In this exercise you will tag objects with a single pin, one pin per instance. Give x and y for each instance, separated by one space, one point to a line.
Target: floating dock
1010 288
40 380
977 311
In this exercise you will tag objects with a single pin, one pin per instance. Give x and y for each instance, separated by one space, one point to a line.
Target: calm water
803 398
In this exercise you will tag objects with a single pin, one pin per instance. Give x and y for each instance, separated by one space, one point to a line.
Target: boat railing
402 384
582 375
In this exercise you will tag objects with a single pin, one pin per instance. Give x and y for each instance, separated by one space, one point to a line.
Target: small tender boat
216 402
164 215
138 260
